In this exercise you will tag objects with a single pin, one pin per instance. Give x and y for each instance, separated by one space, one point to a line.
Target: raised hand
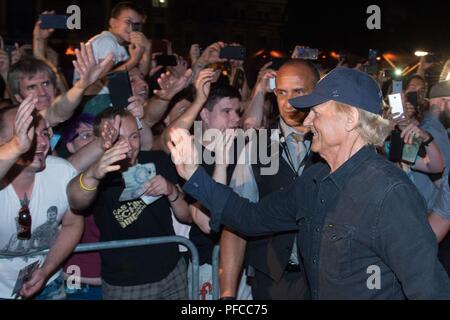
110 132
136 51
212 54
139 39
203 84
171 85
262 83
183 151
42 34
181 67
86 66
413 131
136 106
23 129
107 162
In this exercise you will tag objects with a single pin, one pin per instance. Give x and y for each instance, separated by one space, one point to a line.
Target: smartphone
238 80
306 53
166 60
272 84
412 98
119 89
410 151
397 86
53 21
137 27
395 102
233 52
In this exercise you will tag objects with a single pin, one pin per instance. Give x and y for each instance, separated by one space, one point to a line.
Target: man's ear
112 22
352 119
204 115
70 147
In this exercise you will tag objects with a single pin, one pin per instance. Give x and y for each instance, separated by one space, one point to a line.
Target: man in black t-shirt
145 272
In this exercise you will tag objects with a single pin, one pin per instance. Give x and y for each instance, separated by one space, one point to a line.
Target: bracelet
82 186
430 140
176 198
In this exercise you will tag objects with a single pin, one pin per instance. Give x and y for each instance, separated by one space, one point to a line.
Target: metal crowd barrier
85 247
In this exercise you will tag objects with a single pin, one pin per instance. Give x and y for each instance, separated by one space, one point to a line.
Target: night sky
405 25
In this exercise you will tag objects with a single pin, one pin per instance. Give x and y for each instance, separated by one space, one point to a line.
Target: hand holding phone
272 84
137 27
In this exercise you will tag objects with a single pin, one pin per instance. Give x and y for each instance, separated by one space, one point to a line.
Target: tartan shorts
172 287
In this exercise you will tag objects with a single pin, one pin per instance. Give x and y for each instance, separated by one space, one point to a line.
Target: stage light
421 53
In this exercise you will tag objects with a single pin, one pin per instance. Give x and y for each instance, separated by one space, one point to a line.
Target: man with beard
278 271
437 121
31 179
149 272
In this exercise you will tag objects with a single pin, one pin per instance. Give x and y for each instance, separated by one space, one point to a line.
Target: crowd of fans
63 149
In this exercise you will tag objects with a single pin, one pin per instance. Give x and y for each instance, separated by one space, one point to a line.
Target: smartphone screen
53 21
397 86
119 89
233 52
395 102
272 84
306 53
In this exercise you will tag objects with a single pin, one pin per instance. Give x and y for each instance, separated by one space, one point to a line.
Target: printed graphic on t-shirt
129 212
41 238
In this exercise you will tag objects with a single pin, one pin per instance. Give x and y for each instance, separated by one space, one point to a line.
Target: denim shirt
362 230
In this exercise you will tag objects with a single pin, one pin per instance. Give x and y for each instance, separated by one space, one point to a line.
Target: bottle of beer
24 221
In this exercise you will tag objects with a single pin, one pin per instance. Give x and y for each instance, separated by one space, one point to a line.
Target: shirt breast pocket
336 250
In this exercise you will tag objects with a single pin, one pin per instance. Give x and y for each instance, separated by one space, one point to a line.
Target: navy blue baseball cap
344 85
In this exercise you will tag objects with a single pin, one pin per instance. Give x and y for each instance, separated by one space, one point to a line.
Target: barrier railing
86 247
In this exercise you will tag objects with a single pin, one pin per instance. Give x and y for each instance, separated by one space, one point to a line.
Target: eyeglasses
84 135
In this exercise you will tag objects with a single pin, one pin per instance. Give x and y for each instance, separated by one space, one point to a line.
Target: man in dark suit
278 271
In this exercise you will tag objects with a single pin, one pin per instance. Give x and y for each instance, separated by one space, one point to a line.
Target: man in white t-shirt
125 17
29 177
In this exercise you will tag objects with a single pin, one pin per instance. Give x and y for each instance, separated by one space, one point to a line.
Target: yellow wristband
82 186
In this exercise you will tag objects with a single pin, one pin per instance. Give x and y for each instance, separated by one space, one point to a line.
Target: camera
136 27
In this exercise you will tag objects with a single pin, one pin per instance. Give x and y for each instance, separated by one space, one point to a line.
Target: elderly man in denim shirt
362 226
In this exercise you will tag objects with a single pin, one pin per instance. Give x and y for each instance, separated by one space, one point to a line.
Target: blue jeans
86 292
53 291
